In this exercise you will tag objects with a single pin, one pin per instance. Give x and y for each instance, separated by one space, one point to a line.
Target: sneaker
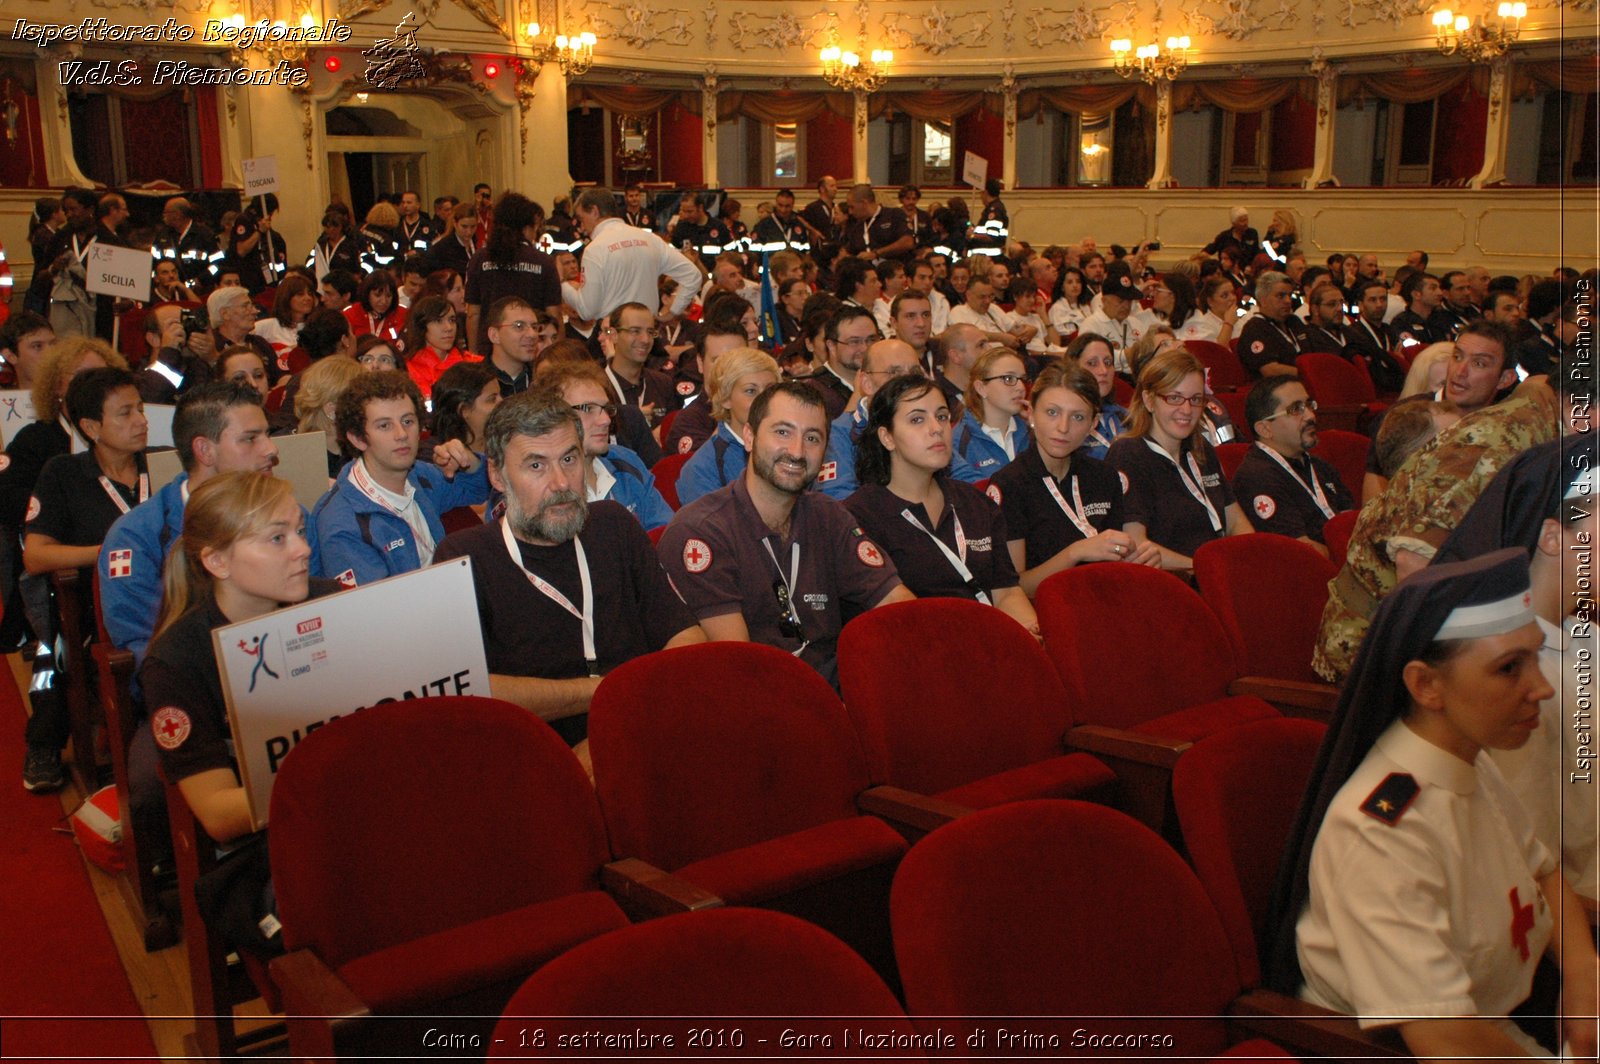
42 770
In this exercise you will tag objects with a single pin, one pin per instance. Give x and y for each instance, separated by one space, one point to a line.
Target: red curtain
155 139
205 99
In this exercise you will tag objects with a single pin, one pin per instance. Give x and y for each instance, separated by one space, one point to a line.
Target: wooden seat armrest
644 891
1315 699
1309 1029
910 813
310 988
64 578
1125 745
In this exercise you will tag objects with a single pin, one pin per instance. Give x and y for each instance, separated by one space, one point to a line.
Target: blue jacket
357 535
838 477
130 596
717 464
635 488
1112 422
986 456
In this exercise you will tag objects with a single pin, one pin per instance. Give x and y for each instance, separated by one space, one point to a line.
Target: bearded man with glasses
1286 489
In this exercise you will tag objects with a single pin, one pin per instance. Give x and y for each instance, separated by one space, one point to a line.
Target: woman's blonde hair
980 369
1424 360
978 266
1162 375
726 372
383 214
320 385
56 368
222 510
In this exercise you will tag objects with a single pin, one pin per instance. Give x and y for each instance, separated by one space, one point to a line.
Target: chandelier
845 70
1479 41
1150 61
574 53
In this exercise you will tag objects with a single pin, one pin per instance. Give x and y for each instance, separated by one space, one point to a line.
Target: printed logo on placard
257 649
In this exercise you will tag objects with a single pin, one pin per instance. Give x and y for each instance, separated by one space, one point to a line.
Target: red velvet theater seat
1067 913
1347 453
1229 455
1137 649
734 766
666 473
1237 794
1268 591
978 723
427 856
1343 390
746 965
1225 373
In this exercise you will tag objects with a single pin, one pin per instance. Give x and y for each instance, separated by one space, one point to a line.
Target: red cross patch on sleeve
869 553
119 563
696 555
171 726
1257 347
993 491
1265 506
33 507
685 445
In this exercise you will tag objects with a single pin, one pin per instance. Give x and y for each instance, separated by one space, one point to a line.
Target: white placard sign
16 410
121 272
302 461
260 175
159 416
286 674
974 169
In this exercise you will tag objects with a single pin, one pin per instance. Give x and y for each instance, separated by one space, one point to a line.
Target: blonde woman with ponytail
243 553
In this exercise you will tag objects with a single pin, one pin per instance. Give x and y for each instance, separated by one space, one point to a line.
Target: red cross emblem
869 554
171 727
1521 923
1265 506
685 445
696 556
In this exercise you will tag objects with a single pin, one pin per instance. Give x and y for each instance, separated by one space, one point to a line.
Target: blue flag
770 331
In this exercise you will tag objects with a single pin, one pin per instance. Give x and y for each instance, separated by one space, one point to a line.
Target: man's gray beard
541 525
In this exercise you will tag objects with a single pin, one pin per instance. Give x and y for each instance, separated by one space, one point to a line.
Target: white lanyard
1196 486
789 582
1074 511
75 444
1287 334
1100 438
958 562
365 484
325 258
586 615
83 253
617 384
1315 490
116 496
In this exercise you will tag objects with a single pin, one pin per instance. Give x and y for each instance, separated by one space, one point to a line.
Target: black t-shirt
654 387
525 633
820 215
71 505
834 389
692 427
877 233
1264 340
1155 496
923 567
1032 513
33 445
1411 327
1281 502
533 277
707 240
182 685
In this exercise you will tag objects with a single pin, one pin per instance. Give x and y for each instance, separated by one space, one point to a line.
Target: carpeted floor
63 991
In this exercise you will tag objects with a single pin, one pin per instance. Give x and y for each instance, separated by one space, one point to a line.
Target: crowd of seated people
902 420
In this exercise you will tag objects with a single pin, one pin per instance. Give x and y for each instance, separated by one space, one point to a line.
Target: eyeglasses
895 371
370 359
1008 379
1174 399
1295 409
789 623
519 325
588 409
854 341
639 330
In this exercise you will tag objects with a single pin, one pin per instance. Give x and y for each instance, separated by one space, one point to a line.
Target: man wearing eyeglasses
884 361
1286 489
852 330
629 341
514 342
764 560
567 589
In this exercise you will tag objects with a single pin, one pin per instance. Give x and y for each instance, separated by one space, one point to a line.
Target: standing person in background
623 264
510 265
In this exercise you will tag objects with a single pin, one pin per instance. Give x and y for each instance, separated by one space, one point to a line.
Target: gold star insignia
1385 806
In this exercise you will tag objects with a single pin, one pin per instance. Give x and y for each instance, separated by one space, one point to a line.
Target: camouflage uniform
1423 504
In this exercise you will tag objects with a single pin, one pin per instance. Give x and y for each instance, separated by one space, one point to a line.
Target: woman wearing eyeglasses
994 431
732 385
376 354
1174 493
946 538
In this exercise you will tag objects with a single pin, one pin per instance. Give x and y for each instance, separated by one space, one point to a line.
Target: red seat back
931 721
1229 455
666 473
705 749
1224 370
1233 403
1332 381
1336 535
722 962
1269 592
462 808
1346 452
1098 622
1262 768
459 519
1059 908
1122 392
